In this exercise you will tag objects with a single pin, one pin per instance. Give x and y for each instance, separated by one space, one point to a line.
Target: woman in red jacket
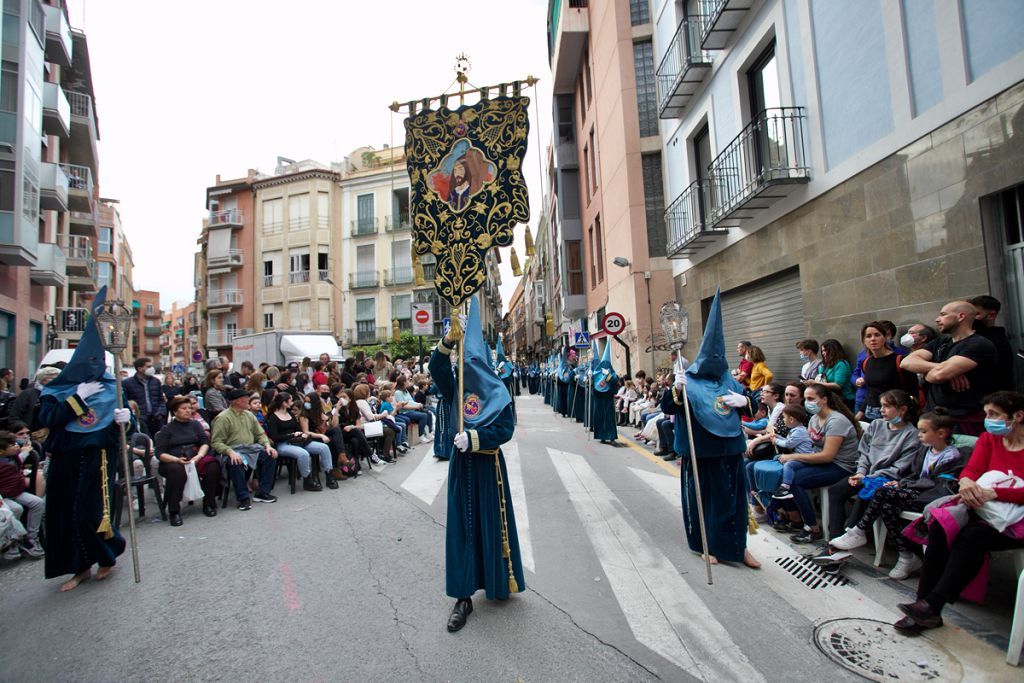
950 567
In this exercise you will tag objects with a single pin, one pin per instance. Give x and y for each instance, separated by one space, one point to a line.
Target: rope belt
506 549
105 529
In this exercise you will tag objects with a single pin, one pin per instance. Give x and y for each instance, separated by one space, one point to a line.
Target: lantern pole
111 317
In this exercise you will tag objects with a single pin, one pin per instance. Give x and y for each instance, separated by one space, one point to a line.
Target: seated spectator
760 447
14 489
880 371
951 564
808 349
31 455
835 435
407 406
351 424
794 439
361 393
181 441
196 416
760 375
399 423
959 369
291 442
835 371
26 406
885 453
256 408
935 461
240 441
627 400
771 399
986 310
213 394
255 383
171 388
314 423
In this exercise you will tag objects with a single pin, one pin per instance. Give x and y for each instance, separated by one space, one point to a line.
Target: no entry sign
422 319
613 323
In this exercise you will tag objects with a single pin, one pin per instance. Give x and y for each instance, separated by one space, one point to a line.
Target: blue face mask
895 421
804 357
812 407
998 427
307 406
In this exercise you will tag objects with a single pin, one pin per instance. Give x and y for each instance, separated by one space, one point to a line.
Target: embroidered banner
468 191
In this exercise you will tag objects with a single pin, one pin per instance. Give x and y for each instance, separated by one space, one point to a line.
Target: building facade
607 192
149 329
829 164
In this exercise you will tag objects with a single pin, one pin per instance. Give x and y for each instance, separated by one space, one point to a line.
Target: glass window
599 241
298 212
268 320
574 266
323 209
566 124
9 86
569 194
104 273
321 266
364 213
654 204
639 12
593 162
7 340
401 306
273 216
35 344
366 309
106 242
646 88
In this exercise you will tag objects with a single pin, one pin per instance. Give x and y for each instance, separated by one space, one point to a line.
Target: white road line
515 484
426 480
664 613
665 486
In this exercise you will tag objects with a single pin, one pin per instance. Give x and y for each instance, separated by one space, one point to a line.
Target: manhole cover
875 650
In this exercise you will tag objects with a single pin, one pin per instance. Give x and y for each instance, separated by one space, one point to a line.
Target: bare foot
103 572
72 583
714 560
750 560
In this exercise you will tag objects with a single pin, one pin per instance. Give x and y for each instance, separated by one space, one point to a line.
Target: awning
295 347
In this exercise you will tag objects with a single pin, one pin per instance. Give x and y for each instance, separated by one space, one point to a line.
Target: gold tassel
516 270
456 328
549 325
417 269
105 529
396 332
530 251
506 549
752 525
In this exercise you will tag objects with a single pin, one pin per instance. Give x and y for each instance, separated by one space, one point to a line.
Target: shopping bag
372 430
193 489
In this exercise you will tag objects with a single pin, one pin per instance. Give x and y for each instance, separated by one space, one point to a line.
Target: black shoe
920 613
265 498
332 483
245 504
210 510
462 609
807 536
670 457
311 484
661 452
176 519
782 493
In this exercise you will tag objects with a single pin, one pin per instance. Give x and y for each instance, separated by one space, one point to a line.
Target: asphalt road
349 585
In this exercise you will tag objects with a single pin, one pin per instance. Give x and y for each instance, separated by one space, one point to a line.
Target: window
599 250
104 273
9 86
269 280
366 263
569 197
401 310
586 170
365 221
298 212
701 161
646 89
566 125
574 266
401 262
298 262
639 12
654 204
323 209
763 81
273 216
321 266
7 340
539 303
366 322
106 238
149 309
593 162
593 259
586 76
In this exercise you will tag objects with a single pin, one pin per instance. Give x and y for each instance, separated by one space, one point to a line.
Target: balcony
721 19
80 187
233 259
271 280
72 320
229 218
51 266
396 223
224 337
56 110
682 69
82 222
224 298
151 331
298 277
58 36
364 226
84 130
398 276
568 27
80 261
759 167
363 280
53 187
684 223
373 336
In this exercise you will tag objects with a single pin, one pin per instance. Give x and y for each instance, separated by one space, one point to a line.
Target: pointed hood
564 370
88 364
502 364
605 377
708 379
485 396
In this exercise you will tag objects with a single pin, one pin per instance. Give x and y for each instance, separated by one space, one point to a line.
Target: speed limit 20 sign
613 323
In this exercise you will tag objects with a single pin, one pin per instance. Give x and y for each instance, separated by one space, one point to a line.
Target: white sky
190 89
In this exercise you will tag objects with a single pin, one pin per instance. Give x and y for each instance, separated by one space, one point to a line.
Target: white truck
280 347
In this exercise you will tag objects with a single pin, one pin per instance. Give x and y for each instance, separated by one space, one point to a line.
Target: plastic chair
141 447
881 534
292 467
1017 629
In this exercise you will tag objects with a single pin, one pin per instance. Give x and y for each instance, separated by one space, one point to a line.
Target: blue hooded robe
605 385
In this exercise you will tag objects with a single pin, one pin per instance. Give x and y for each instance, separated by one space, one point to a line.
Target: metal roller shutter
771 315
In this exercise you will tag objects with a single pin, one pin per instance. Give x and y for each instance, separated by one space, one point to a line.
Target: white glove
87 389
122 416
680 380
734 400
462 441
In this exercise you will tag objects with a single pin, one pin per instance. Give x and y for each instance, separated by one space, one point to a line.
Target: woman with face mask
313 423
955 554
290 440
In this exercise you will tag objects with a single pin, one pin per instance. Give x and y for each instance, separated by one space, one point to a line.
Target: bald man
958 367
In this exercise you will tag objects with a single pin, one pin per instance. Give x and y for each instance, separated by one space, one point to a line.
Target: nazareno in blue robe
473 539
579 402
720 466
562 397
603 413
74 490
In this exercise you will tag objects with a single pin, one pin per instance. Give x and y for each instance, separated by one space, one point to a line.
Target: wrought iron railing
402 275
298 277
683 52
81 104
364 226
684 217
72 319
79 177
271 280
225 217
77 247
399 222
361 279
769 150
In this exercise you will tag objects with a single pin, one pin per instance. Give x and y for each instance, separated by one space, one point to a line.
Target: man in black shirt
987 308
239 378
958 369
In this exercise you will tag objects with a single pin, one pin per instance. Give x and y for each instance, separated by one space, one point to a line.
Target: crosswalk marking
663 612
426 480
664 485
515 485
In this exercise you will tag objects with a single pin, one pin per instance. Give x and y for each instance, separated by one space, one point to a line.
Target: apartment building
148 325
834 163
541 281
607 193
177 341
514 322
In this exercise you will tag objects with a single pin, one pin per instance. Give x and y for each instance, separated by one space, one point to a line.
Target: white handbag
373 429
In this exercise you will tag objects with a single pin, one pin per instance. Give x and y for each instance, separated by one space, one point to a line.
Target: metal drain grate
876 651
810 574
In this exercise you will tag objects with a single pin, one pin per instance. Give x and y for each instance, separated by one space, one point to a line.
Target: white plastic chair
881 533
1017 629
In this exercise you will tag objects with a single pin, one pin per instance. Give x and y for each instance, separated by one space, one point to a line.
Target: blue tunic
473 538
603 419
720 466
562 398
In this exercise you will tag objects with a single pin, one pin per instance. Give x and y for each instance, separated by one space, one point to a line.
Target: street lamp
623 262
114 322
674 323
